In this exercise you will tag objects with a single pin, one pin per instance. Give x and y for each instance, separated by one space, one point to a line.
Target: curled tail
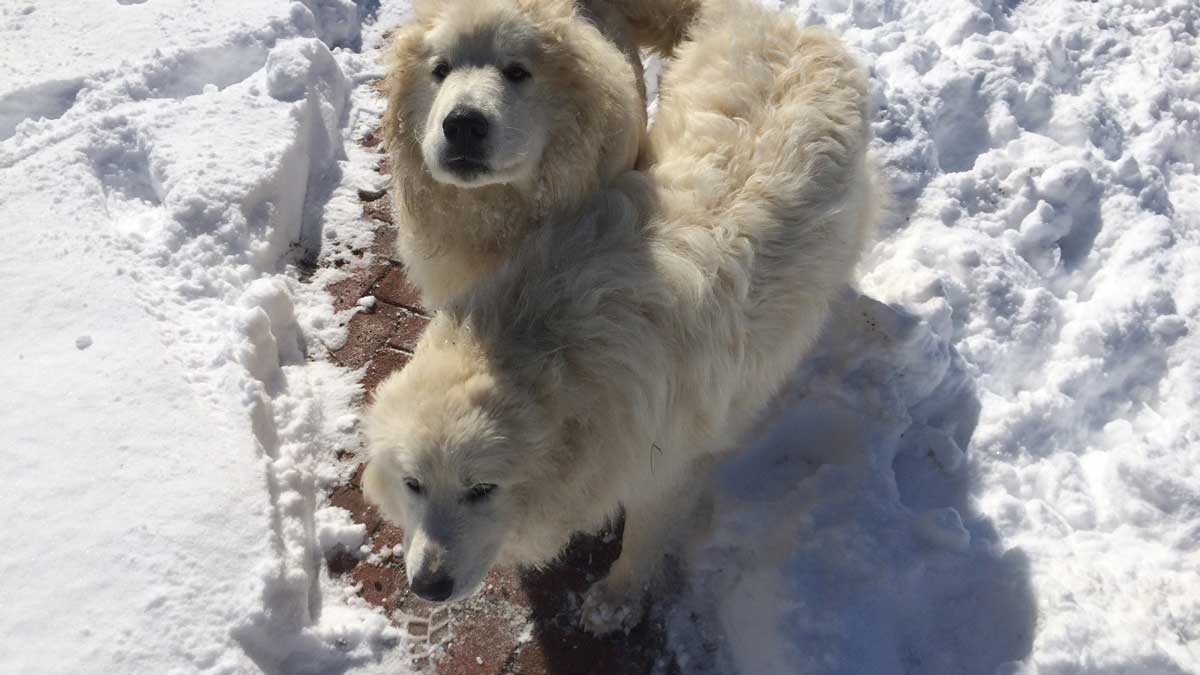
757 108
765 193
659 25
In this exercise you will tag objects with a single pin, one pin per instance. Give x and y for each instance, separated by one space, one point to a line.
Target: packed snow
999 470
166 169
991 464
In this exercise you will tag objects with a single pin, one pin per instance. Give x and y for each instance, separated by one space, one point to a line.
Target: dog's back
759 157
696 288
619 351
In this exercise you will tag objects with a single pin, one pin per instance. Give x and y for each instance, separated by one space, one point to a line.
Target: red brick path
523 622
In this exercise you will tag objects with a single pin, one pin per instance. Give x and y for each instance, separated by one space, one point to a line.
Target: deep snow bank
163 169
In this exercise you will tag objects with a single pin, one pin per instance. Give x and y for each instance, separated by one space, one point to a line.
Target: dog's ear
402 58
373 484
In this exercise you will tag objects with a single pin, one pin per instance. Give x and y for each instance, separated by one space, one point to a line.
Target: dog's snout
435 586
465 127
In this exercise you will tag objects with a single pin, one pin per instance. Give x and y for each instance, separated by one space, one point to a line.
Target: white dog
504 115
616 354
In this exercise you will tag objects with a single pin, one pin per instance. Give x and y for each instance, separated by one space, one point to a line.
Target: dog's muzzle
436 587
466 132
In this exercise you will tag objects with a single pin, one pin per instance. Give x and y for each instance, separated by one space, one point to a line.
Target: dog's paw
608 608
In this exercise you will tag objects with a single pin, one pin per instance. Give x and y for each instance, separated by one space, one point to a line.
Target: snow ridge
205 177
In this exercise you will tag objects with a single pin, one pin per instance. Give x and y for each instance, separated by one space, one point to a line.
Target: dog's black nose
465 128
435 587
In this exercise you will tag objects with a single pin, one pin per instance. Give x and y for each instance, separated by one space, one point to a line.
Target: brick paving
523 622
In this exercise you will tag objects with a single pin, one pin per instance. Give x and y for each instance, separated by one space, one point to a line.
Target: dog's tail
772 106
659 25
764 125
765 195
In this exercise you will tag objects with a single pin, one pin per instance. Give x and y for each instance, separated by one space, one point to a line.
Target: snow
165 169
991 464
1041 280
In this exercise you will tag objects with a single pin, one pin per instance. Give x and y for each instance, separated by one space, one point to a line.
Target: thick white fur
660 25
558 138
616 355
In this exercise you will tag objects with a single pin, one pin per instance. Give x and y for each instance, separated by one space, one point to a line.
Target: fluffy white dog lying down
613 359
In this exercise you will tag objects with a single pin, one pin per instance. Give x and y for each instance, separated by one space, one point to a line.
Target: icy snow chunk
1169 328
292 65
943 528
1041 231
260 353
1036 105
1002 124
305 73
1128 172
269 325
960 25
1043 224
938 446
346 423
1067 182
335 528
960 134
338 23
271 294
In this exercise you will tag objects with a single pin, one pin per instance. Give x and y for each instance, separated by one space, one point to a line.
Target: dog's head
451 462
521 93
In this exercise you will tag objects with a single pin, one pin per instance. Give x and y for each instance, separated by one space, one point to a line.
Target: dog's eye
480 492
515 72
414 485
440 71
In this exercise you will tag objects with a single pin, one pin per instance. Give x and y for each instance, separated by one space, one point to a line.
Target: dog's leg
653 527
616 601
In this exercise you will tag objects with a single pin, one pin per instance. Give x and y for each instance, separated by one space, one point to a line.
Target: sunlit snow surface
164 166
1046 227
990 465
